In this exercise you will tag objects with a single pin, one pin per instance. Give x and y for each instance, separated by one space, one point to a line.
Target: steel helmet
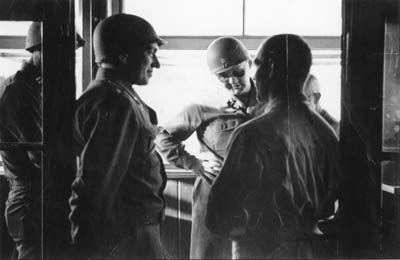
120 33
225 52
34 37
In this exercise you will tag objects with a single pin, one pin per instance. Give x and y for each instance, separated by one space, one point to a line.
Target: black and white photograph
199 129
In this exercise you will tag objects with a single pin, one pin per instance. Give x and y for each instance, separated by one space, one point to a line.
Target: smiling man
229 60
117 200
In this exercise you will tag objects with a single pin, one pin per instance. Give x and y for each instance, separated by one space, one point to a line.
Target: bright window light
183 79
303 17
190 17
14 28
11 61
328 71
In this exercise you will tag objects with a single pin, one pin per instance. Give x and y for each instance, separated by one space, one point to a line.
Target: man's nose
156 62
232 80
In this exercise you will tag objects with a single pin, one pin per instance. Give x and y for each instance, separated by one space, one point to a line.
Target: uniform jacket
213 127
281 174
21 121
120 178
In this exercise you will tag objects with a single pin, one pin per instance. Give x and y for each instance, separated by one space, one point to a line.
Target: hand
207 167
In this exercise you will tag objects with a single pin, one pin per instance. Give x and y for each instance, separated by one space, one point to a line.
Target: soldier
312 91
117 201
282 169
229 60
21 122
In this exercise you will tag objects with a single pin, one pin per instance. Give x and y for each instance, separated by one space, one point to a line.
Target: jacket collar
110 74
237 104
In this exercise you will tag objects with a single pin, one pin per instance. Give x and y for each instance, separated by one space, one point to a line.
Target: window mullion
243 17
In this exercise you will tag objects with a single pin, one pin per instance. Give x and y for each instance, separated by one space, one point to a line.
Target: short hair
291 57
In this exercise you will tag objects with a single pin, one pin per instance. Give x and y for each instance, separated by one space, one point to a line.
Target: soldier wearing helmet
117 201
21 122
282 169
229 60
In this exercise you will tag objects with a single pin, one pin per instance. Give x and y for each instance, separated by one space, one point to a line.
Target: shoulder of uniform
101 92
260 124
8 85
8 81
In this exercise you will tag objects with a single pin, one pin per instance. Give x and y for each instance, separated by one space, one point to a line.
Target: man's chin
141 82
238 92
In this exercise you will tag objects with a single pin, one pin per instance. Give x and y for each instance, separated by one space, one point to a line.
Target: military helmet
120 33
34 36
225 52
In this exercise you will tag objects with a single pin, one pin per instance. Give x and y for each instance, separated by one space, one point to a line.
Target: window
303 17
190 18
189 26
391 90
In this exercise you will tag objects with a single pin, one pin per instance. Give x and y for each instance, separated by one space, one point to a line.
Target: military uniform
21 122
213 127
117 202
280 176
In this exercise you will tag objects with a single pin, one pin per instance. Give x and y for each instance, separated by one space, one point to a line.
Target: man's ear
123 58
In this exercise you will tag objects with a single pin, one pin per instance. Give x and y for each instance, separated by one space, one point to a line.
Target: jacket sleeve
239 176
107 132
170 139
21 119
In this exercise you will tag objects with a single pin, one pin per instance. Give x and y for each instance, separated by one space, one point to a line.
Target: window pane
184 79
303 17
190 17
14 28
391 90
11 61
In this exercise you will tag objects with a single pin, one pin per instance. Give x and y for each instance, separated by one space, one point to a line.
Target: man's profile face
142 62
261 76
37 58
237 78
312 93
